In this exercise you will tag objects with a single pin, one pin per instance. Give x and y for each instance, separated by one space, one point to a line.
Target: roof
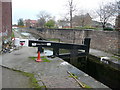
31 21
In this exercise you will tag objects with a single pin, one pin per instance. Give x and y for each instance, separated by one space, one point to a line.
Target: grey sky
28 9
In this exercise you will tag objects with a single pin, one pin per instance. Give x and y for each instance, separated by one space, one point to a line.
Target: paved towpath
52 74
13 79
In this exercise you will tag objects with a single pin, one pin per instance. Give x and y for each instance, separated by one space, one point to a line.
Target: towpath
52 74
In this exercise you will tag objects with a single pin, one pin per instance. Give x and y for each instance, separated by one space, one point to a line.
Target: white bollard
17 42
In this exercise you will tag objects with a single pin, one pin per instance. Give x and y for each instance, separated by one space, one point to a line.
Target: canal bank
102 66
105 67
104 70
53 74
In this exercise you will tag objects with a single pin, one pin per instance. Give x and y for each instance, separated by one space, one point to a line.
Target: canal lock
99 71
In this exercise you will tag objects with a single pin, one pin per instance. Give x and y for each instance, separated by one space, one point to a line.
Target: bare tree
71 9
43 17
117 22
41 22
105 12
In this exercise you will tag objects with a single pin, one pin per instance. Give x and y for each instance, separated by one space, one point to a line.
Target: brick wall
6 18
0 17
105 40
0 26
102 40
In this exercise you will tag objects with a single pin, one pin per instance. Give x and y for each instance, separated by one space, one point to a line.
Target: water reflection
25 34
48 52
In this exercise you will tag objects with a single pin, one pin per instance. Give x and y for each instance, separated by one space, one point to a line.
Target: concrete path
13 79
0 78
53 74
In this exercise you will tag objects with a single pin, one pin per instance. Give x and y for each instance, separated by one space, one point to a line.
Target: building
82 20
97 24
77 21
5 19
63 24
30 23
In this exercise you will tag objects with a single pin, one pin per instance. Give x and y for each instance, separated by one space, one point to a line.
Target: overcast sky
28 9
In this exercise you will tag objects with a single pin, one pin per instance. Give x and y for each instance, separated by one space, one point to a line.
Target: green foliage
85 27
50 24
116 57
20 22
108 29
64 51
13 35
86 86
32 79
74 76
44 59
89 27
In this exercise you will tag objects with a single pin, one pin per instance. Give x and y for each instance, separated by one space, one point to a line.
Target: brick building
82 20
5 19
30 23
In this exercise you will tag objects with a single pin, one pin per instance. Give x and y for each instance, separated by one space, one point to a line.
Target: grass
44 58
116 57
32 79
63 51
74 76
86 86
13 35
117 54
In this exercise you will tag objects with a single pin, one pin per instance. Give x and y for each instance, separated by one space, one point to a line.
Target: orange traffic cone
38 58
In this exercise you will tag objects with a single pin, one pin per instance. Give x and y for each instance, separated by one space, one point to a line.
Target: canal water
25 34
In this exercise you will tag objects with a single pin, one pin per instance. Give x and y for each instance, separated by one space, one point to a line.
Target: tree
117 22
50 23
71 9
41 22
20 22
105 12
43 18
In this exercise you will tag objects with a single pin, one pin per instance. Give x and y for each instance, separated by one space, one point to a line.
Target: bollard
38 58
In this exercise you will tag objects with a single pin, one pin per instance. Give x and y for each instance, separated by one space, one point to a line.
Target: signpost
21 42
